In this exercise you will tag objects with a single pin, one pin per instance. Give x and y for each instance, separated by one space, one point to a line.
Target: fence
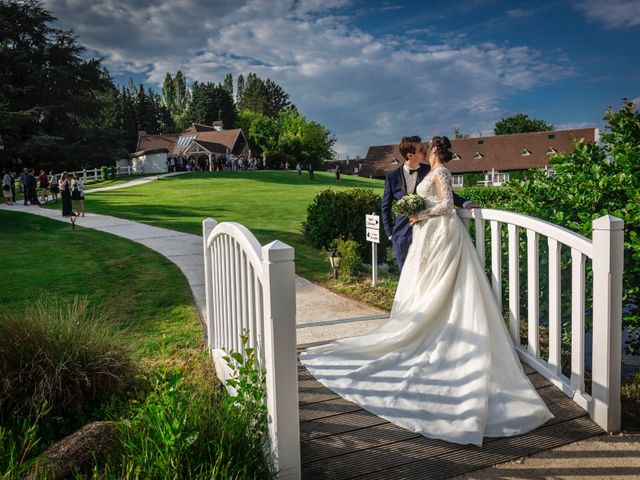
252 287
96 173
605 250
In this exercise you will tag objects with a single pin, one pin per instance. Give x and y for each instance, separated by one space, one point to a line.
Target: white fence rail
605 250
249 287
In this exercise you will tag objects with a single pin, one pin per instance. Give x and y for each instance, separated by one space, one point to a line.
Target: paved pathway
314 305
134 182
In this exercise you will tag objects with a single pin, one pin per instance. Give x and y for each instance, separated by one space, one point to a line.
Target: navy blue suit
399 229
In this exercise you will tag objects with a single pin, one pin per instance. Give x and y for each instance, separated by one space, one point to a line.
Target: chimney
217 125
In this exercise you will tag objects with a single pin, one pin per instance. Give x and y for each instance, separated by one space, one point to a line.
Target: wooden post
280 353
608 253
207 227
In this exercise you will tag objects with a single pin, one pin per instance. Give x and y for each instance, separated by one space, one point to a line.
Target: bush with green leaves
65 354
594 180
104 172
341 214
350 263
487 197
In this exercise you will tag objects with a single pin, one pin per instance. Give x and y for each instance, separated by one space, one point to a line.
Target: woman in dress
65 192
444 364
7 180
77 193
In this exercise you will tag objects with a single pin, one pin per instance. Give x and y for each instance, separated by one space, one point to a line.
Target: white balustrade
605 250
251 288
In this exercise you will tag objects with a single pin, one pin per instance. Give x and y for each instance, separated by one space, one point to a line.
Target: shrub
487 197
112 172
341 214
66 355
350 262
183 430
591 181
104 172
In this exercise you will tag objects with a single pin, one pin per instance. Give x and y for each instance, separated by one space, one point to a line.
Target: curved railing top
245 238
561 234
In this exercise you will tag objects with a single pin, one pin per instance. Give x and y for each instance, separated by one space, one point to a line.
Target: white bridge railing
605 250
249 287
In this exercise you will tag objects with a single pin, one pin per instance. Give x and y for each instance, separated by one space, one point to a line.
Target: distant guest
338 174
311 176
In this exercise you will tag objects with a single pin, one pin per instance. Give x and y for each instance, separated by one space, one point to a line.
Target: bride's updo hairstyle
443 148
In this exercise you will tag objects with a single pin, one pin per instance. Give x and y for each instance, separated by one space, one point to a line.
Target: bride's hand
413 219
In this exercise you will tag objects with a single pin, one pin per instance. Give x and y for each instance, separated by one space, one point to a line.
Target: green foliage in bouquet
408 205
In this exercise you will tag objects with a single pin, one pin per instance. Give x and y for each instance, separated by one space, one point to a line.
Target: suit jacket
394 189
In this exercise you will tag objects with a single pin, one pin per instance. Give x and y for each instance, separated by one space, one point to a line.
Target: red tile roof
219 141
479 154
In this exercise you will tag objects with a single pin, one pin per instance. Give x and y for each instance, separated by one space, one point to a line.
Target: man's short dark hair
409 145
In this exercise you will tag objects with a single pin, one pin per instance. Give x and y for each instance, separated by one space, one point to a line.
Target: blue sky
375 71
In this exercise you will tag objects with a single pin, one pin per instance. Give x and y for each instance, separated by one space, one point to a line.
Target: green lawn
272 204
147 294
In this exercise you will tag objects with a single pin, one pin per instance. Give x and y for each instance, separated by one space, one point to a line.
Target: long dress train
444 364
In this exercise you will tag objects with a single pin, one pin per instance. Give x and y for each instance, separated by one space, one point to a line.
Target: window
185 140
525 153
480 142
551 151
551 135
478 156
456 157
394 161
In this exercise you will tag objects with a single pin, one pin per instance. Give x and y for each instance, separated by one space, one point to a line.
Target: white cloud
368 90
611 13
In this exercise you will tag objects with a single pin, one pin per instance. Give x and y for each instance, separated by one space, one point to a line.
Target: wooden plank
508 448
577 320
361 439
514 283
312 411
323 427
555 303
533 289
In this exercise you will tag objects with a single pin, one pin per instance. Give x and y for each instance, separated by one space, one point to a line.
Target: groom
403 181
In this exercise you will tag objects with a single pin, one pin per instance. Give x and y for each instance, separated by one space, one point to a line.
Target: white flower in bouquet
409 205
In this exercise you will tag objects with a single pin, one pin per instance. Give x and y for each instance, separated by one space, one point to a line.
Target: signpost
373 236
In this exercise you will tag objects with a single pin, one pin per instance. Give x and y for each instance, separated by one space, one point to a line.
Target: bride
443 365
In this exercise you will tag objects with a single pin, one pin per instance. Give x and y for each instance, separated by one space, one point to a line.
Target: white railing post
608 244
95 173
129 170
207 227
280 353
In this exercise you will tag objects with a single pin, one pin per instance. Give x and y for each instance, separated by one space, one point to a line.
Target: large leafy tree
520 123
175 97
210 102
51 98
277 99
594 180
303 140
255 96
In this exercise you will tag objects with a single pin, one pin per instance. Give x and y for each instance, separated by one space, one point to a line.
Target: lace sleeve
445 193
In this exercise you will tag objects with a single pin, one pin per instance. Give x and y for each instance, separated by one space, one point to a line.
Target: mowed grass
272 204
144 292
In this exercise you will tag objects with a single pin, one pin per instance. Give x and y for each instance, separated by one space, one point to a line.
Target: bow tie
411 172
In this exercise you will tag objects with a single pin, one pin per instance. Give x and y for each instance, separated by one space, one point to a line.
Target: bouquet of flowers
409 205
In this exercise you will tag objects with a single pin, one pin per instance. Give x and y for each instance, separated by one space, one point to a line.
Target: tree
277 99
254 95
457 134
52 98
169 92
261 132
210 102
228 84
302 140
520 123
239 88
594 180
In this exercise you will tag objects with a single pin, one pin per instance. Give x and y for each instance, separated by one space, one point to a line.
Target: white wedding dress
444 364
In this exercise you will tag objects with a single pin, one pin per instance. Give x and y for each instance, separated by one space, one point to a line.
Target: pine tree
239 89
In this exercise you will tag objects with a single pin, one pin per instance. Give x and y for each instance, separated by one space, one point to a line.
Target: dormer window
551 151
456 157
478 156
480 142
525 152
394 161
551 136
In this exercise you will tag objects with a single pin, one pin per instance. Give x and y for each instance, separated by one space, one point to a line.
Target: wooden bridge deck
340 440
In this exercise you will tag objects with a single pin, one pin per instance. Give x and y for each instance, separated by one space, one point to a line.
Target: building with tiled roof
348 166
493 155
202 145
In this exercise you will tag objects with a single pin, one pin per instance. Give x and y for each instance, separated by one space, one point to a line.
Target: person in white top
77 193
7 180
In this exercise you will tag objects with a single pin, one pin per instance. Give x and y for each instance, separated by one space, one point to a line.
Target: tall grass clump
65 354
187 430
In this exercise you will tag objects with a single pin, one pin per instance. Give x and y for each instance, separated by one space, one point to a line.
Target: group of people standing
70 188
